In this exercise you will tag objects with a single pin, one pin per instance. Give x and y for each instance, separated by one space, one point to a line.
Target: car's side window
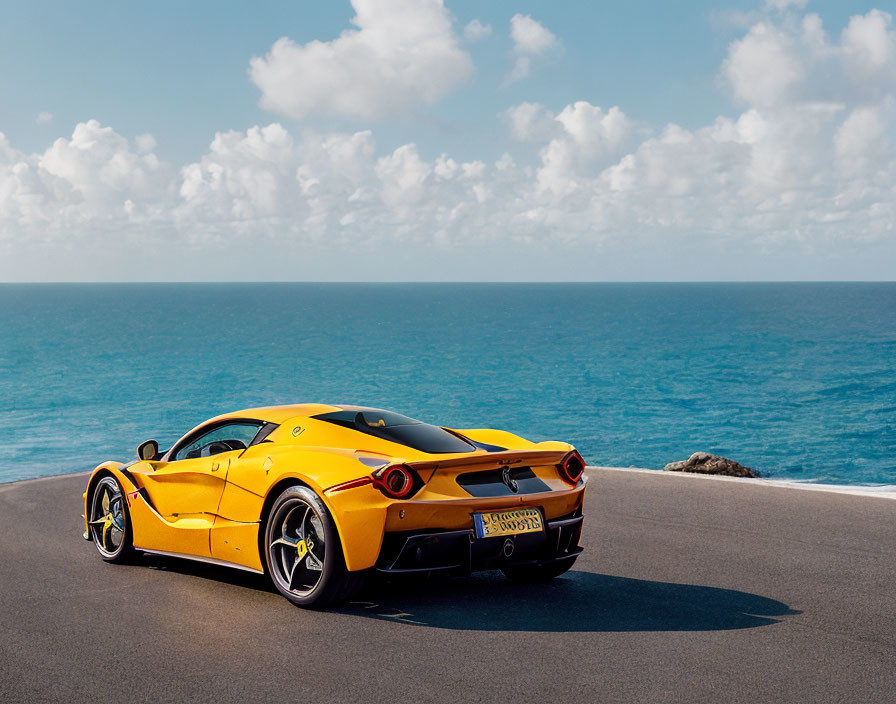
233 436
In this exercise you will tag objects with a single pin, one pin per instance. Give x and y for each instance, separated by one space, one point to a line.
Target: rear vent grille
492 482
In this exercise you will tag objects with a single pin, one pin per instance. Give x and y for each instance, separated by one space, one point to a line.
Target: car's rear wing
493 460
400 480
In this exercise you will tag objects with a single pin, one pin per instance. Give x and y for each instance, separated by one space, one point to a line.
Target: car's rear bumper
461 552
373 530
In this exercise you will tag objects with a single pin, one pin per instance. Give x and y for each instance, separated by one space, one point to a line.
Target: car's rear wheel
537 573
303 553
110 524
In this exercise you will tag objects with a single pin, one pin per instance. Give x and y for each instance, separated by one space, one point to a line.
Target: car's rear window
398 428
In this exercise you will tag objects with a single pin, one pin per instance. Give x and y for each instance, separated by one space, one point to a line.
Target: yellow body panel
212 507
237 543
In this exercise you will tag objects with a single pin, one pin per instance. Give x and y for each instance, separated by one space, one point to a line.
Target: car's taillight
396 481
572 467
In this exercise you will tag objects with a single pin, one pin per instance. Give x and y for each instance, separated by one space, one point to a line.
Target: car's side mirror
148 450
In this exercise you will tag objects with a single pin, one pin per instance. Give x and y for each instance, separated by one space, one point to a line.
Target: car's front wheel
303 553
110 524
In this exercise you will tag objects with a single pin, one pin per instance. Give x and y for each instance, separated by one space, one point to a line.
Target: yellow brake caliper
107 524
106 520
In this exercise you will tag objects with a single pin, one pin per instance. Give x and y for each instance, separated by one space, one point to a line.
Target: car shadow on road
577 602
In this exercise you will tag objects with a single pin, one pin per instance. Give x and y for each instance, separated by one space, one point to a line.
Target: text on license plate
519 520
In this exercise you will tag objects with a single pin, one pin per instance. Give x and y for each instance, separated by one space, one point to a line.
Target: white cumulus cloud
762 67
531 39
93 180
475 31
530 36
403 54
530 122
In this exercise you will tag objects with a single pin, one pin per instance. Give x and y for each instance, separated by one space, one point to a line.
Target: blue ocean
795 380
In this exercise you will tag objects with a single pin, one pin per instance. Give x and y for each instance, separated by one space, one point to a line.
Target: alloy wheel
107 519
297 548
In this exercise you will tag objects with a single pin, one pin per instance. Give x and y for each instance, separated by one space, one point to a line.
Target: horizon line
451 281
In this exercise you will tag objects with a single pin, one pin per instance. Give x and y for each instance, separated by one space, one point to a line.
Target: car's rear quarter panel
258 477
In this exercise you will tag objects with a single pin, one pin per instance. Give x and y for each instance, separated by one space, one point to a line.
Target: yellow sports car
317 496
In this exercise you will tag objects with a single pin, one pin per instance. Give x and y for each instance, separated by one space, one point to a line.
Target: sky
417 140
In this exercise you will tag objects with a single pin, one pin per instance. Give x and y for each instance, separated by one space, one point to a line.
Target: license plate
519 520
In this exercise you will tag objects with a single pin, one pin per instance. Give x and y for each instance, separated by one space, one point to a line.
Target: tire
537 573
302 551
109 521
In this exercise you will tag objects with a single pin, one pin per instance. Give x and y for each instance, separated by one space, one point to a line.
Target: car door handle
215 466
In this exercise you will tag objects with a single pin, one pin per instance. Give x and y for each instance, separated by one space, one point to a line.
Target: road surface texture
690 590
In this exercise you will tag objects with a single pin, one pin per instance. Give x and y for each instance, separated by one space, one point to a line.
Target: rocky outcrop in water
704 463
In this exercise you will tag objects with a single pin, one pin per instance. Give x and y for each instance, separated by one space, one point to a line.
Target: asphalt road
690 590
